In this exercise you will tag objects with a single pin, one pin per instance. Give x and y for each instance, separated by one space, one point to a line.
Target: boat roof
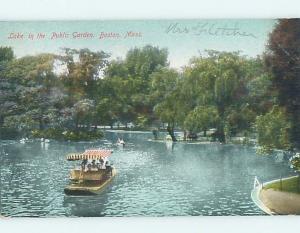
89 154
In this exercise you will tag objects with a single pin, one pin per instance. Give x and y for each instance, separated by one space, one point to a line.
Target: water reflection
170 145
154 178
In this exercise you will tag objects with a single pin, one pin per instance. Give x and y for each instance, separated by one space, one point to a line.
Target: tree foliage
283 60
273 130
82 89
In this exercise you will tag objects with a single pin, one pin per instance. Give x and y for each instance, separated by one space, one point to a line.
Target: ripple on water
152 180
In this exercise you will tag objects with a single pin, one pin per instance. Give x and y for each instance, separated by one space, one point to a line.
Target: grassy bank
291 184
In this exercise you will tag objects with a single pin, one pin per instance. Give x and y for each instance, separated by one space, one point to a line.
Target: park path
280 202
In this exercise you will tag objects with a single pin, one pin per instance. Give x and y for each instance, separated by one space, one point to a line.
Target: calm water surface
154 178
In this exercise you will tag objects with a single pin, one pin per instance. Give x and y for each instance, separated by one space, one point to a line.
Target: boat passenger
98 164
83 164
94 163
108 167
101 163
89 166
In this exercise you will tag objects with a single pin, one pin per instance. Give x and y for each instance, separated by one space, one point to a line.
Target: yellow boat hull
82 189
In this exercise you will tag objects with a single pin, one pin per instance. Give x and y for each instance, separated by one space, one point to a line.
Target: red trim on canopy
90 154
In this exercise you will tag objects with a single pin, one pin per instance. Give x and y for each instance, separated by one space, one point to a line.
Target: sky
183 38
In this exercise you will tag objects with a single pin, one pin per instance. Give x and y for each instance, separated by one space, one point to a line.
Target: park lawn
291 184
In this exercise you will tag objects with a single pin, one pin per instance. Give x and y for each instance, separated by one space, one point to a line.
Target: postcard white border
146 9
158 9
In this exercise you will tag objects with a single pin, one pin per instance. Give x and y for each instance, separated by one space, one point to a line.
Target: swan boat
93 175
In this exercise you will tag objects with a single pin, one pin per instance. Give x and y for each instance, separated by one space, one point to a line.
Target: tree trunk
155 133
76 123
298 173
204 133
184 135
171 133
221 135
295 129
41 124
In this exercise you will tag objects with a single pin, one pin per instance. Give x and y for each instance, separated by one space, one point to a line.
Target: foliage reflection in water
154 178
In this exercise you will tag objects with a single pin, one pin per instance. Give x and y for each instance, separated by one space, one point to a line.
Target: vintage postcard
150 118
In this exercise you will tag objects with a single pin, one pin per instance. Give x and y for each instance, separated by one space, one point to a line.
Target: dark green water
154 178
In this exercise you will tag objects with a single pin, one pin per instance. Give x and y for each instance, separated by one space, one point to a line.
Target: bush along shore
68 135
54 133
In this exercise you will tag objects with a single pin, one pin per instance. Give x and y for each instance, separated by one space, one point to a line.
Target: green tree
218 80
127 84
84 111
7 94
38 94
165 95
273 130
84 69
283 60
6 54
201 119
144 61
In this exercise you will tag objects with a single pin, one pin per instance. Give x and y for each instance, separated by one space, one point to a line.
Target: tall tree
283 60
7 92
128 84
84 69
38 94
165 95
218 80
143 61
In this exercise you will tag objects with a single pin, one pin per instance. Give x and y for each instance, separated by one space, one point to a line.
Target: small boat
168 138
23 140
120 142
93 175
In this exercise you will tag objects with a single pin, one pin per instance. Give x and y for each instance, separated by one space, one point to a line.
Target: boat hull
85 190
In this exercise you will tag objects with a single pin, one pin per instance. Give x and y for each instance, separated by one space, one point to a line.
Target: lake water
154 178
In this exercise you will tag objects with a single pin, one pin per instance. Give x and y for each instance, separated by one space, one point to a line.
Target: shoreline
280 202
276 202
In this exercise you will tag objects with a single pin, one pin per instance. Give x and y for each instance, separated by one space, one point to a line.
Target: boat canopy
89 154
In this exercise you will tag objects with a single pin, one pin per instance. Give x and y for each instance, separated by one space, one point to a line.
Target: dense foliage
73 93
283 61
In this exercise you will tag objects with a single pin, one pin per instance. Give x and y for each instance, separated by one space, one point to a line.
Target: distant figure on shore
155 133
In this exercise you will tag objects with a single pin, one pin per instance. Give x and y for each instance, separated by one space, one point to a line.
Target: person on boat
98 164
94 163
104 163
83 164
108 167
89 167
101 162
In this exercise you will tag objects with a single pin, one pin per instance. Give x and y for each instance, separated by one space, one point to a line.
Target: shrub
72 135
295 162
273 130
8 133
